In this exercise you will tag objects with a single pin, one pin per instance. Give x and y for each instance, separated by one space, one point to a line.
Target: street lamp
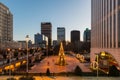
9 62
97 56
27 38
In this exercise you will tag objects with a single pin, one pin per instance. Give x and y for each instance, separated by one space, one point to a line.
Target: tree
86 46
113 71
78 71
4 56
16 54
31 51
48 72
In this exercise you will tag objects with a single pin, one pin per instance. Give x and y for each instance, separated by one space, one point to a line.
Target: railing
15 60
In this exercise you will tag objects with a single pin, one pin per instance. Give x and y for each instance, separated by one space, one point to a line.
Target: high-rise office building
55 42
60 34
6 24
37 38
75 36
105 28
46 29
87 35
40 40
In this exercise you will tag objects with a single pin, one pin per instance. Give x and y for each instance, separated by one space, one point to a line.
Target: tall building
60 34
37 38
55 42
22 44
30 43
46 29
40 40
87 35
105 28
6 24
75 36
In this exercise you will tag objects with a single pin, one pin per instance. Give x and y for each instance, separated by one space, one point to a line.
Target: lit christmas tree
61 60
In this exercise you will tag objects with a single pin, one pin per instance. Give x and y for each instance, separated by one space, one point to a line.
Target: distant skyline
28 15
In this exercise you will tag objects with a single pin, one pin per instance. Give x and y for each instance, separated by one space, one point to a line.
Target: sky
28 15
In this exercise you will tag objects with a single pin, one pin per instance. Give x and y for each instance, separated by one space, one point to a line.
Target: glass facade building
60 34
87 35
75 36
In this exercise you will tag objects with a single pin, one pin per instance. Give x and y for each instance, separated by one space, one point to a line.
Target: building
55 42
15 45
22 44
105 28
75 36
37 38
30 44
41 40
10 44
46 29
87 35
60 34
6 24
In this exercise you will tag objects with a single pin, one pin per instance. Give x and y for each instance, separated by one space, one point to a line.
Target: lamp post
9 62
27 38
0 43
97 64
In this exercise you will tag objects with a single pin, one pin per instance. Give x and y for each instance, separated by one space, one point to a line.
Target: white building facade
105 28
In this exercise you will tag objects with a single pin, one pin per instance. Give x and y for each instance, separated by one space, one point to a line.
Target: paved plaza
49 62
64 78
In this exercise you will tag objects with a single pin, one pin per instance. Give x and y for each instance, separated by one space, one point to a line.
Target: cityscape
60 52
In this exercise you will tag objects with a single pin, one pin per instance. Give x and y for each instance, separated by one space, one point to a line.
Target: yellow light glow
94 65
11 66
7 67
24 62
0 70
17 64
13 69
8 49
78 55
103 53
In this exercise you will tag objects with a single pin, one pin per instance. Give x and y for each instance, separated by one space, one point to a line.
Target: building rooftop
44 23
1 4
